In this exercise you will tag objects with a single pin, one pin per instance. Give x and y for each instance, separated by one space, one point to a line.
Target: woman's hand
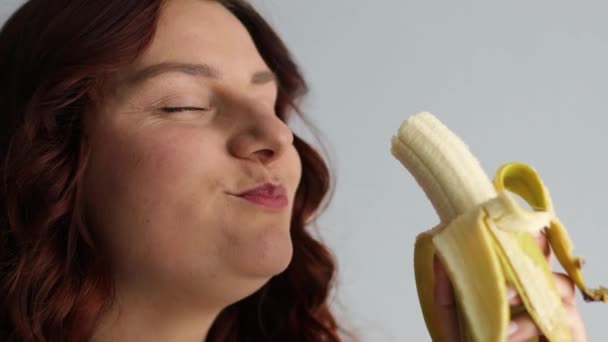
522 327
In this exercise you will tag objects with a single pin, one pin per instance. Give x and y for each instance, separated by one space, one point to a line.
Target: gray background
517 80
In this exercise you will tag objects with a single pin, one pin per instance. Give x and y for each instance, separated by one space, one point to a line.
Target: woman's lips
267 195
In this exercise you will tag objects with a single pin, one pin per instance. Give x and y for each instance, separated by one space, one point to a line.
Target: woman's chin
254 273
268 258
275 261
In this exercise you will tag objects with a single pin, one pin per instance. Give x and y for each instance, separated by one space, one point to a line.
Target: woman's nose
262 136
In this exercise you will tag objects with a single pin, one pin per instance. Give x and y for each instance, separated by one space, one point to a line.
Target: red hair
54 281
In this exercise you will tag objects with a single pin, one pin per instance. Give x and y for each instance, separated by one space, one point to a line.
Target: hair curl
54 282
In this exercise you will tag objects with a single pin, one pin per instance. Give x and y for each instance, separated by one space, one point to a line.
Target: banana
485 237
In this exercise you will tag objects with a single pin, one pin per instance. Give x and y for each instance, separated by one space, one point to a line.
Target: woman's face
161 185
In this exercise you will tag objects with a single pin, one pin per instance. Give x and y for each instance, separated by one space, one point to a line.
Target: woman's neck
140 319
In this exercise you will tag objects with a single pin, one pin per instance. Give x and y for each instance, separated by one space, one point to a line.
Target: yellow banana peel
485 238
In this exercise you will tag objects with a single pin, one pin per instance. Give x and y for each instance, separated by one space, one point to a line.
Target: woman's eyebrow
196 70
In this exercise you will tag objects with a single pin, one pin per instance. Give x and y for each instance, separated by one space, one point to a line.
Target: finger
522 328
541 238
577 327
565 288
513 297
445 304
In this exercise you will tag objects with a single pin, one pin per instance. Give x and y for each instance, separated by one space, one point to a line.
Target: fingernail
511 294
512 328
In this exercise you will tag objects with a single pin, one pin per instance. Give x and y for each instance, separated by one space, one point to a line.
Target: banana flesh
485 237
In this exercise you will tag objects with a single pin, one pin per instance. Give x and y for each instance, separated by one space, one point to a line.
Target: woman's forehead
202 32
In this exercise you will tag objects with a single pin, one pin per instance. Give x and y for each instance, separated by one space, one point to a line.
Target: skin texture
525 327
159 187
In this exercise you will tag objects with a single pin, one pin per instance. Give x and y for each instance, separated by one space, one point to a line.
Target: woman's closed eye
184 109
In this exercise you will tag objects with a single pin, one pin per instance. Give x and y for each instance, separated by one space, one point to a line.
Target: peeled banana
485 237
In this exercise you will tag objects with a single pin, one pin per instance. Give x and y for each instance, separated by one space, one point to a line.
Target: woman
152 190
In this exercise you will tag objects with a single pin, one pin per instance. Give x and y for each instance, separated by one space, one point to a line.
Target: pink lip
267 195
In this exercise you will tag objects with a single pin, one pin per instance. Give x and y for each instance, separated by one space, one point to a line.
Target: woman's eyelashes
185 109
